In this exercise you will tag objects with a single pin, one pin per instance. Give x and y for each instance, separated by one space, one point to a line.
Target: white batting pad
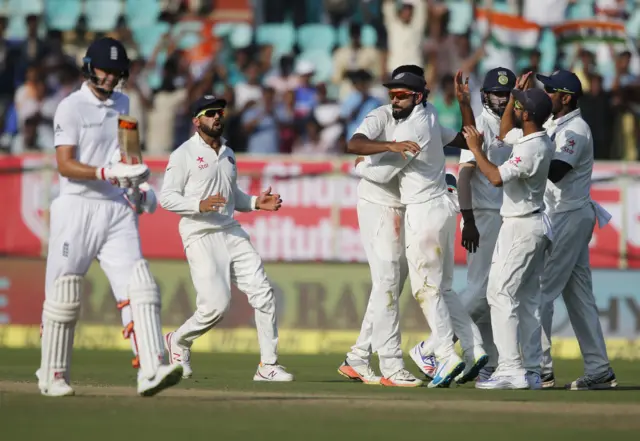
145 308
59 316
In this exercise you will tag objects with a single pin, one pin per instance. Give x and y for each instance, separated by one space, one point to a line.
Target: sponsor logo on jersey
201 164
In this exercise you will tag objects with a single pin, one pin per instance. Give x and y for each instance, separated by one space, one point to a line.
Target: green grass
222 403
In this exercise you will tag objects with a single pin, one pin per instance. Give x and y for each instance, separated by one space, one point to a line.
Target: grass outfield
222 403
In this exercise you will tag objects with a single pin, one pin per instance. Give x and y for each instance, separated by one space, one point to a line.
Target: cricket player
512 291
200 185
429 222
480 204
573 217
91 219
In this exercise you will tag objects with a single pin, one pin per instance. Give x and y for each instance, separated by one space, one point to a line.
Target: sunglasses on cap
210 113
401 94
550 89
518 105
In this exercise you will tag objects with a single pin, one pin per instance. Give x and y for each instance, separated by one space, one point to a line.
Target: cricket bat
130 152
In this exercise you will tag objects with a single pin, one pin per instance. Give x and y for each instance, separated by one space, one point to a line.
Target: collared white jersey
524 175
91 125
194 172
421 177
484 195
573 145
379 125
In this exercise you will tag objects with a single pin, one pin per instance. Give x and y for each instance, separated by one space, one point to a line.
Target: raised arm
468 118
507 122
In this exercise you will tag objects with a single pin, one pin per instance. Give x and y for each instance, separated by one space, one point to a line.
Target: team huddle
523 191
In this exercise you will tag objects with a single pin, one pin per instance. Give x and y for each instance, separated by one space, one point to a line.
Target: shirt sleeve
66 125
520 165
513 136
172 194
466 156
372 126
569 147
448 135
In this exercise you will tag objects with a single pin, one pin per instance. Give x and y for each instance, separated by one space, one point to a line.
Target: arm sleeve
513 136
569 147
172 193
466 156
372 126
447 135
520 166
244 202
66 125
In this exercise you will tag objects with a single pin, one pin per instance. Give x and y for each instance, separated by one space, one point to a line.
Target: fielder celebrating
429 223
573 217
480 203
200 185
512 291
92 219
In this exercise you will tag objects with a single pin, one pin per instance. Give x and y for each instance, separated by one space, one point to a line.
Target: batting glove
148 200
124 175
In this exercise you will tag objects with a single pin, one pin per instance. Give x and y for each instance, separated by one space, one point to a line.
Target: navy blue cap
108 54
207 102
534 101
499 79
407 80
562 81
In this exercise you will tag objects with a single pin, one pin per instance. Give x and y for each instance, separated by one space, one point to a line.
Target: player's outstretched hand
212 203
124 175
463 93
404 147
525 81
269 202
470 237
474 138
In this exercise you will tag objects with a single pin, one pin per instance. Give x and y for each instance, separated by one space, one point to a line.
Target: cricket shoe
166 376
548 380
425 362
178 355
534 380
607 380
58 387
500 381
446 371
473 366
485 373
273 373
402 378
360 372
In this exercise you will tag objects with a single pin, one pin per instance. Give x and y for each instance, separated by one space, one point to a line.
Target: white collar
532 136
567 117
93 98
201 143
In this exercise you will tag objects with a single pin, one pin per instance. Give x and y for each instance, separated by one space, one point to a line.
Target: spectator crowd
285 102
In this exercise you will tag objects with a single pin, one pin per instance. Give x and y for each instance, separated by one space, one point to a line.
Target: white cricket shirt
484 195
91 125
421 177
195 172
379 125
524 175
573 145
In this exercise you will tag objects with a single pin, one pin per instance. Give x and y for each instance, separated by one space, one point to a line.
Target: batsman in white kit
429 223
200 185
480 203
91 219
516 266
573 216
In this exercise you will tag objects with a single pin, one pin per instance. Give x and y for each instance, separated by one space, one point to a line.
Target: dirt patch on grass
351 401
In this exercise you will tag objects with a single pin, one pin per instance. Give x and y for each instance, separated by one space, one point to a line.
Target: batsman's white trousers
513 293
430 235
567 272
382 235
474 297
216 260
82 230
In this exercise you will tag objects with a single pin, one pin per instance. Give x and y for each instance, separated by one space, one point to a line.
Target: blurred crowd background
300 75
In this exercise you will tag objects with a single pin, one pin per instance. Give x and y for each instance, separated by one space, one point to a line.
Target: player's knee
213 311
262 298
142 288
63 303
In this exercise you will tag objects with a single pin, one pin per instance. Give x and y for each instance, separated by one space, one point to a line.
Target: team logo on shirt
231 160
201 164
58 129
515 161
569 147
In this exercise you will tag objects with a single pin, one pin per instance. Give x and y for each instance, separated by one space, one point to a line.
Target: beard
517 122
400 113
215 131
497 104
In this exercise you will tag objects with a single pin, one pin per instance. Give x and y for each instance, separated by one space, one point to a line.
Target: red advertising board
318 220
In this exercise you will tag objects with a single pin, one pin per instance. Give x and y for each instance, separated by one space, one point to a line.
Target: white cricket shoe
425 362
273 373
446 371
166 376
402 378
534 380
359 372
178 355
500 381
58 387
473 366
485 373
